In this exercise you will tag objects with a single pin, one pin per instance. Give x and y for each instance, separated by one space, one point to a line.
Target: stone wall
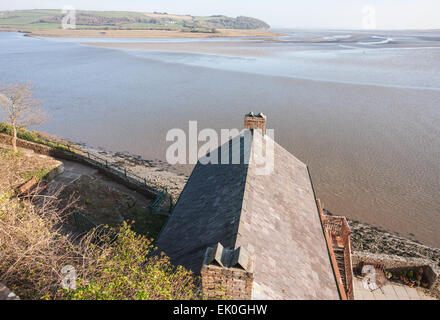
226 283
38 148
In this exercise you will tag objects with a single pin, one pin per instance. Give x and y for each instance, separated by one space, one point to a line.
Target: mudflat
144 33
235 48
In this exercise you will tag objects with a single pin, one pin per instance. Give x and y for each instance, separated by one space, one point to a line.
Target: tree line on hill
213 22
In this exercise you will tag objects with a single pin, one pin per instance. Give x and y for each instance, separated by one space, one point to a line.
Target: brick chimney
227 274
255 121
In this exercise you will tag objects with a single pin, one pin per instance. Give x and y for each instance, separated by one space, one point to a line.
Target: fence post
106 163
88 154
125 172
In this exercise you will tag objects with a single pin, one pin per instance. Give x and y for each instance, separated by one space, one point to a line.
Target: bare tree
20 108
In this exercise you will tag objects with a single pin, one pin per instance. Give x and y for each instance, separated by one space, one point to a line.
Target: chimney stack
255 121
227 273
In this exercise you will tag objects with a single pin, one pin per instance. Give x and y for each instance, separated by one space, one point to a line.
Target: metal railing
163 204
339 226
82 222
122 172
160 205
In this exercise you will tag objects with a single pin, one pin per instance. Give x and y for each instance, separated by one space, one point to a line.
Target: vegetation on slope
108 263
17 168
36 247
124 20
38 243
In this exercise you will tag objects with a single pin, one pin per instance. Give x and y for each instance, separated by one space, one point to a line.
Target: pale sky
390 14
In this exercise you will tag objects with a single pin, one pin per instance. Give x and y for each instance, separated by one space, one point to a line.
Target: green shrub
124 268
5 128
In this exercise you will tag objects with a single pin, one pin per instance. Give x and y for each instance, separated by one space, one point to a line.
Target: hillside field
50 20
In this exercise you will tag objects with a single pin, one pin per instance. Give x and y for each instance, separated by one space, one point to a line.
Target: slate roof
273 217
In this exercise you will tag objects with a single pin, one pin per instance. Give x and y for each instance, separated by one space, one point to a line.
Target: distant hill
125 20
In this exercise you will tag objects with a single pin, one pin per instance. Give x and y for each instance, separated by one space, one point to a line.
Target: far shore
81 33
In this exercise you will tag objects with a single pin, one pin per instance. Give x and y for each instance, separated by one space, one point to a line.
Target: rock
376 240
6 294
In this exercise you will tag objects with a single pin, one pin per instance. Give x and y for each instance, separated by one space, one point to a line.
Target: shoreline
141 34
365 237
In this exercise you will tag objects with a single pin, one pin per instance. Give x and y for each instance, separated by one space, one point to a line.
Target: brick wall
226 283
258 122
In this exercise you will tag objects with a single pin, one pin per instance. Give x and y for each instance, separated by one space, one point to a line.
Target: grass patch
105 206
18 168
39 173
6 154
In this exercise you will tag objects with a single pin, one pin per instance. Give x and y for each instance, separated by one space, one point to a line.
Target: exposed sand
412 45
144 33
236 48
243 48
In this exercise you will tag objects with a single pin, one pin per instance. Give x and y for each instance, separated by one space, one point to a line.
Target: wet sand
127 34
256 47
236 48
